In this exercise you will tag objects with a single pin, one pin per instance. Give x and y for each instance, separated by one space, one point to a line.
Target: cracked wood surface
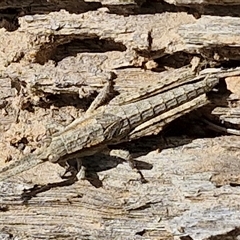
195 198
53 63
203 2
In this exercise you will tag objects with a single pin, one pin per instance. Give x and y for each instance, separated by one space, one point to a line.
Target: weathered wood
47 32
30 7
54 58
45 37
188 194
204 2
209 31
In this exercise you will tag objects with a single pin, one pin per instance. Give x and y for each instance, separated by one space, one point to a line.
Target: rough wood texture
192 199
204 2
55 56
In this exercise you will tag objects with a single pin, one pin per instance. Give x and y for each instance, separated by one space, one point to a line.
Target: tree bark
55 56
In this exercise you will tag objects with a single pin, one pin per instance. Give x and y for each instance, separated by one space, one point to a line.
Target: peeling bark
55 56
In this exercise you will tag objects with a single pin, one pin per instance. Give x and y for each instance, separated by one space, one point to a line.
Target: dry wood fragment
55 56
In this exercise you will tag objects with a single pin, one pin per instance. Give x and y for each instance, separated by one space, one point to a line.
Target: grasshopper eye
53 158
